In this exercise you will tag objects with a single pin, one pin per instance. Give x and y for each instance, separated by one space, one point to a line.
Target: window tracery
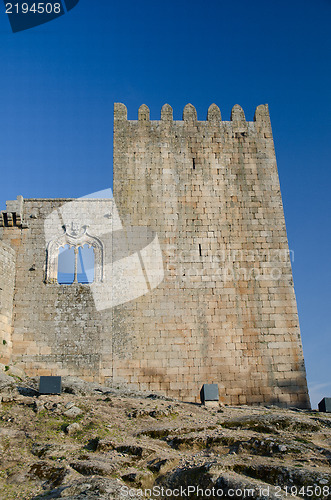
76 237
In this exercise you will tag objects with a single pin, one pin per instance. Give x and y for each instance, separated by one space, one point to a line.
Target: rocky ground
111 443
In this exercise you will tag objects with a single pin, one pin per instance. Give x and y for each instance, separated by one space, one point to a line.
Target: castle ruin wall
209 296
7 284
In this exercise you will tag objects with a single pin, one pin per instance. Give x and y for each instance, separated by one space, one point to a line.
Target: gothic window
66 265
75 257
85 264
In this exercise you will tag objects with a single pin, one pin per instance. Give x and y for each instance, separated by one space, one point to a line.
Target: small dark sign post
50 385
209 394
325 405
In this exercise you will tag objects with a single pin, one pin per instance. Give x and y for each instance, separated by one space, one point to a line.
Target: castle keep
192 281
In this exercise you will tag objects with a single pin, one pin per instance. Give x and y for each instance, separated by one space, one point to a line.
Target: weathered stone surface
73 412
156 413
211 475
271 423
261 448
285 475
106 445
140 479
91 488
77 386
161 465
15 371
40 450
73 429
130 450
7 287
48 472
93 467
7 383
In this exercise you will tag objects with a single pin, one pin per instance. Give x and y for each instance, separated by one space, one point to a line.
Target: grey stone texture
7 284
225 312
210 190
57 330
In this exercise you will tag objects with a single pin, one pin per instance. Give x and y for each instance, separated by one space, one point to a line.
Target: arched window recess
76 237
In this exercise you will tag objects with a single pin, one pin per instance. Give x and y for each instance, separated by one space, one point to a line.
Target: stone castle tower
202 289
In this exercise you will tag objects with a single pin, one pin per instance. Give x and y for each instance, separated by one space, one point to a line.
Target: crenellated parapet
237 114
190 113
190 143
13 215
143 113
261 117
259 126
214 114
167 113
262 120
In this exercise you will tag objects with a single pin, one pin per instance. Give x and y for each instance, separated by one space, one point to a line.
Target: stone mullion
76 264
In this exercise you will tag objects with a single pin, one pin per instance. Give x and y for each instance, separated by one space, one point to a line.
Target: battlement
261 116
13 215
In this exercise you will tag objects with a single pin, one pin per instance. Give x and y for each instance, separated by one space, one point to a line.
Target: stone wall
7 283
67 329
193 282
58 330
226 311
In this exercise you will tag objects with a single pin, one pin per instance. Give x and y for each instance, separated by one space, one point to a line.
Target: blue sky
59 81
